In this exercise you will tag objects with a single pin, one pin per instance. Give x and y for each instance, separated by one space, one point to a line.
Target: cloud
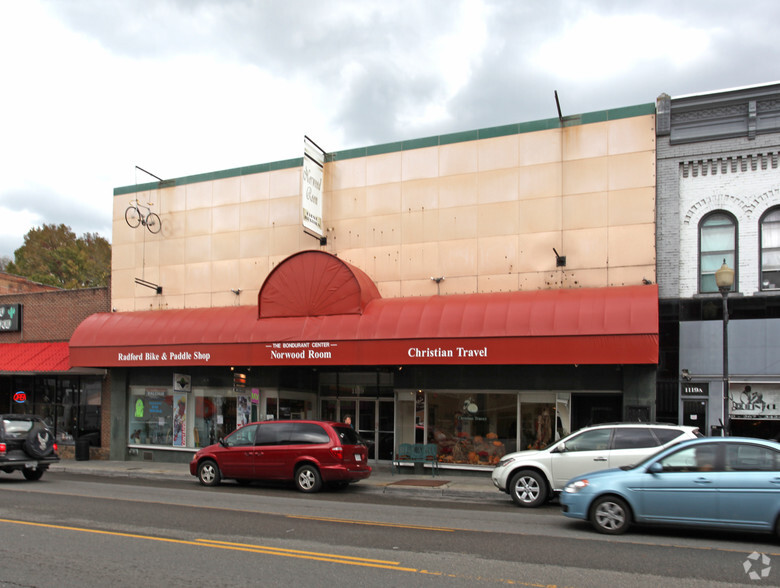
181 87
26 208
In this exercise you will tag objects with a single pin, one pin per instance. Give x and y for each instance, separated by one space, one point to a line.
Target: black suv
26 444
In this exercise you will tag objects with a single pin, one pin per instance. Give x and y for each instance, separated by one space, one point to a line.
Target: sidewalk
450 484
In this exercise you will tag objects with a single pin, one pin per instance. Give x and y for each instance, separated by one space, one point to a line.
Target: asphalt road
76 530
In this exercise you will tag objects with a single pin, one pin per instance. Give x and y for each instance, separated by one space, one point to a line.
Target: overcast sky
93 88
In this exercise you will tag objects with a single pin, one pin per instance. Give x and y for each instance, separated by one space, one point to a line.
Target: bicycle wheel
132 216
153 223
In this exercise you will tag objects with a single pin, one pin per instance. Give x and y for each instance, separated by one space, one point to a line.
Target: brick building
718 198
11 284
36 323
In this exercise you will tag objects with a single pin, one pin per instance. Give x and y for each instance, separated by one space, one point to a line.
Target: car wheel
32 474
308 479
610 515
208 473
528 489
39 442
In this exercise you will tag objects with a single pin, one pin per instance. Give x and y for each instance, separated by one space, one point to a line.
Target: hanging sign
182 383
311 188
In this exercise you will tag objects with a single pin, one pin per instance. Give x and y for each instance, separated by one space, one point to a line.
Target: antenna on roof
558 104
150 173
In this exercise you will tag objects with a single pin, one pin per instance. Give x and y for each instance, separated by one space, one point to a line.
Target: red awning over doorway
315 309
26 358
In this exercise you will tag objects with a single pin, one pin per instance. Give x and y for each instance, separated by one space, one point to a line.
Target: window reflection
472 428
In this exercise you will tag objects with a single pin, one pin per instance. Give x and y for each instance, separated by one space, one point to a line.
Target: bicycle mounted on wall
135 216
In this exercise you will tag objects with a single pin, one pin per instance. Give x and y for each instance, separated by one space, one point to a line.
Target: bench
422 453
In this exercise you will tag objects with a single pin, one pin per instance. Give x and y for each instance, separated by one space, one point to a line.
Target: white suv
533 477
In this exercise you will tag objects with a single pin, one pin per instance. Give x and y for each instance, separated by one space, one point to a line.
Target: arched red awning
315 283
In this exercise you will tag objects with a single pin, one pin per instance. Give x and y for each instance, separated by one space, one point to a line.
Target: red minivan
310 453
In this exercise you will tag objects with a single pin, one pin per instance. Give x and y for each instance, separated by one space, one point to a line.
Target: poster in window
242 416
179 420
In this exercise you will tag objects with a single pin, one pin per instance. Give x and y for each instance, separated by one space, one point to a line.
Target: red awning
578 326
315 283
34 357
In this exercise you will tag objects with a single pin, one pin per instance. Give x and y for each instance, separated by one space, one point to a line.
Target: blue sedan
724 482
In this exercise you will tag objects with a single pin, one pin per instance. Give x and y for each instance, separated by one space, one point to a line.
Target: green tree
53 255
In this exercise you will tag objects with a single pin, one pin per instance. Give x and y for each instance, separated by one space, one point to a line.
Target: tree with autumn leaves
53 255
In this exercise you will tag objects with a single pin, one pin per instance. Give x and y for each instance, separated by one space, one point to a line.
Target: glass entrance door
385 431
368 399
366 424
372 418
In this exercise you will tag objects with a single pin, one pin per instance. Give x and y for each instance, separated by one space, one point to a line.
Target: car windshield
557 443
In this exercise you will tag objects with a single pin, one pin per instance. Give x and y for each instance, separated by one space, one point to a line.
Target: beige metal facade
483 213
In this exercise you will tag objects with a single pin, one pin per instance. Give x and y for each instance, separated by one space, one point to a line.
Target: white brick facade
746 187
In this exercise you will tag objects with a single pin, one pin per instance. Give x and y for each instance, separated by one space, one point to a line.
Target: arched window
717 241
770 249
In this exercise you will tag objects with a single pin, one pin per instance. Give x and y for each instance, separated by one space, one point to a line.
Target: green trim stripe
435 141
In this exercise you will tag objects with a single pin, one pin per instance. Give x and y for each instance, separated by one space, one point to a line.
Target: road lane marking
330 558
283 551
267 550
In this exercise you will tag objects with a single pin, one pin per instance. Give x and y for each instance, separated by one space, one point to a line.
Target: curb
447 491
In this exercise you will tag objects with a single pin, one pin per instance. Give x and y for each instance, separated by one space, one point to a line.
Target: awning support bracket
151 285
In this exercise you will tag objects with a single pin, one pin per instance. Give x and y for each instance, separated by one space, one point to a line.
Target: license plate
357 457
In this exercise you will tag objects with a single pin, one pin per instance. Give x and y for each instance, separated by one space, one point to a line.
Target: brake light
338 452
2 448
55 448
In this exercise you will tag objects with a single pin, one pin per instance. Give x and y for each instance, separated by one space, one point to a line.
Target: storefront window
480 428
294 408
69 406
151 416
538 424
471 428
328 410
67 412
90 409
159 416
271 408
285 405
216 415
45 405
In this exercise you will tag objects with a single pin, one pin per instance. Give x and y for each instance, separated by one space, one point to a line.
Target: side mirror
655 468
561 448
222 442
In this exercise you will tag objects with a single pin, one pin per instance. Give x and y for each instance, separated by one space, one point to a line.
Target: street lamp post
724 278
